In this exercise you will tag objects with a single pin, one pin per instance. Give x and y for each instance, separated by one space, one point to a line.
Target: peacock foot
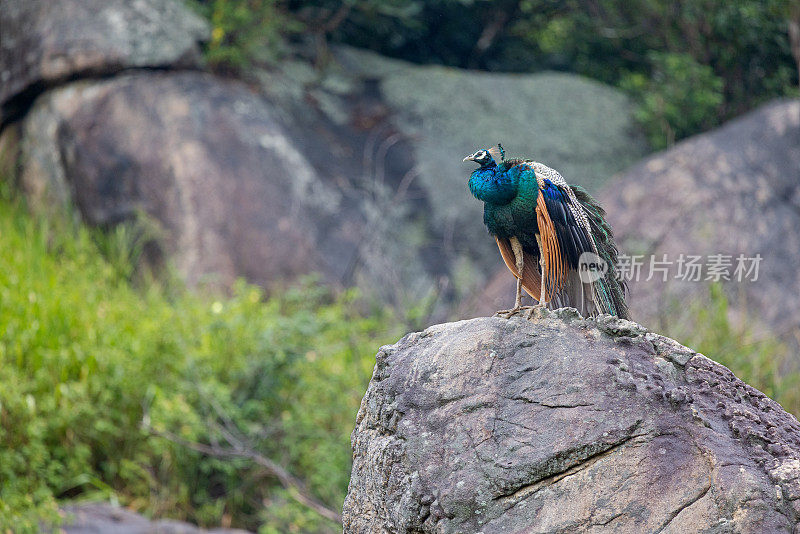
508 314
536 311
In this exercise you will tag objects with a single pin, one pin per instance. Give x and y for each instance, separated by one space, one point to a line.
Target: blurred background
213 213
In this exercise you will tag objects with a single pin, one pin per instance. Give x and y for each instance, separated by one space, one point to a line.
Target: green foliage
422 31
764 364
123 245
244 32
690 65
679 98
85 358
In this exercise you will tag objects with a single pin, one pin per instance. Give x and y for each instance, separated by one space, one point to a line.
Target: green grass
85 355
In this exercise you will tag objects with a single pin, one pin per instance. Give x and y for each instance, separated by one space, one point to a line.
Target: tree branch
238 449
794 38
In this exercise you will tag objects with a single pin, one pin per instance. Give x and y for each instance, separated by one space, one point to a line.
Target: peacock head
486 157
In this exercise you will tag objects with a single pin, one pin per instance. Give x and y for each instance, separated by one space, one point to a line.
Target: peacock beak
471 157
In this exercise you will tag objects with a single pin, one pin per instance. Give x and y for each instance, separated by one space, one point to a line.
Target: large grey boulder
234 194
204 158
581 127
566 425
732 191
43 42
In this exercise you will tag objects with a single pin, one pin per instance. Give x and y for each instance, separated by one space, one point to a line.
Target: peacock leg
541 290
541 303
516 246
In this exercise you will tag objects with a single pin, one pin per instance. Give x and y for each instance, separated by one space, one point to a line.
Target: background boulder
582 128
43 43
562 424
205 158
732 191
393 134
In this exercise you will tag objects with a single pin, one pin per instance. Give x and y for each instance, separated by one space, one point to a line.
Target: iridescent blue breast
491 186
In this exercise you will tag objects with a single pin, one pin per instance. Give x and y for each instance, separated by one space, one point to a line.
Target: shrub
244 32
85 358
679 98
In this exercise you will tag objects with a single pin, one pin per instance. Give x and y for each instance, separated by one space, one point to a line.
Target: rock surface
204 157
732 191
577 125
566 425
44 42
103 518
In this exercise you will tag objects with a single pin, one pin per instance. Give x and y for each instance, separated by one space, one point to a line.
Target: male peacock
552 236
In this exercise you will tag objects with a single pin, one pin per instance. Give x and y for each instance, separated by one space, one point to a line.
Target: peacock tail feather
610 287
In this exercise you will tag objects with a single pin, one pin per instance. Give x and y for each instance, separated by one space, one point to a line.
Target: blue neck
492 185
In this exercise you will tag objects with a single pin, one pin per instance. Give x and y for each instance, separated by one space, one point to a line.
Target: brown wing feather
531 280
555 270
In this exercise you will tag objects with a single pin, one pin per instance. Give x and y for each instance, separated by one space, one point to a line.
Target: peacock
552 236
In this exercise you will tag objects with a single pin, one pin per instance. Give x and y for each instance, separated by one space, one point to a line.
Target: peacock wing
572 235
563 238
